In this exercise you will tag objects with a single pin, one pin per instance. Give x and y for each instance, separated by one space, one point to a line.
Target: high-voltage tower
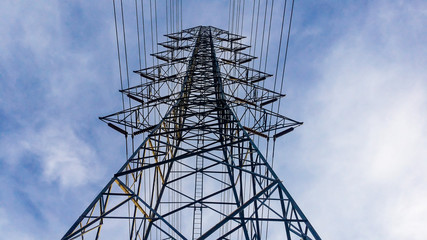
197 174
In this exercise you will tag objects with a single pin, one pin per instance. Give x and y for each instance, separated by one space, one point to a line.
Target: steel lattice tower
197 174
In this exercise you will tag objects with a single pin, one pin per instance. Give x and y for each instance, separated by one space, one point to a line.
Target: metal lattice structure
198 173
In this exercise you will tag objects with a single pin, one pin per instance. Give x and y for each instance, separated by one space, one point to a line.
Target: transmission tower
197 174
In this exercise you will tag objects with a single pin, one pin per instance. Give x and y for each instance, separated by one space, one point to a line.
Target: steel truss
197 174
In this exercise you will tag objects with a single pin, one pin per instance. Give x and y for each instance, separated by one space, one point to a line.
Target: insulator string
286 54
138 38
167 16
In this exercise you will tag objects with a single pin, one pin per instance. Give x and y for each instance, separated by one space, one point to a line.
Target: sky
356 76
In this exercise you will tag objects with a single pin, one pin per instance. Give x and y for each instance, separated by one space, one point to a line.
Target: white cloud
49 144
48 90
61 153
363 142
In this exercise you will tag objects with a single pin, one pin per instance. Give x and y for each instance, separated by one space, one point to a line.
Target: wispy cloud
63 156
362 147
50 77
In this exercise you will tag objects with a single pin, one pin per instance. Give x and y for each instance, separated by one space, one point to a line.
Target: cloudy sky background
356 76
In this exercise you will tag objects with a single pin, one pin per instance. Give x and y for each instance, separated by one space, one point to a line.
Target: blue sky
356 76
